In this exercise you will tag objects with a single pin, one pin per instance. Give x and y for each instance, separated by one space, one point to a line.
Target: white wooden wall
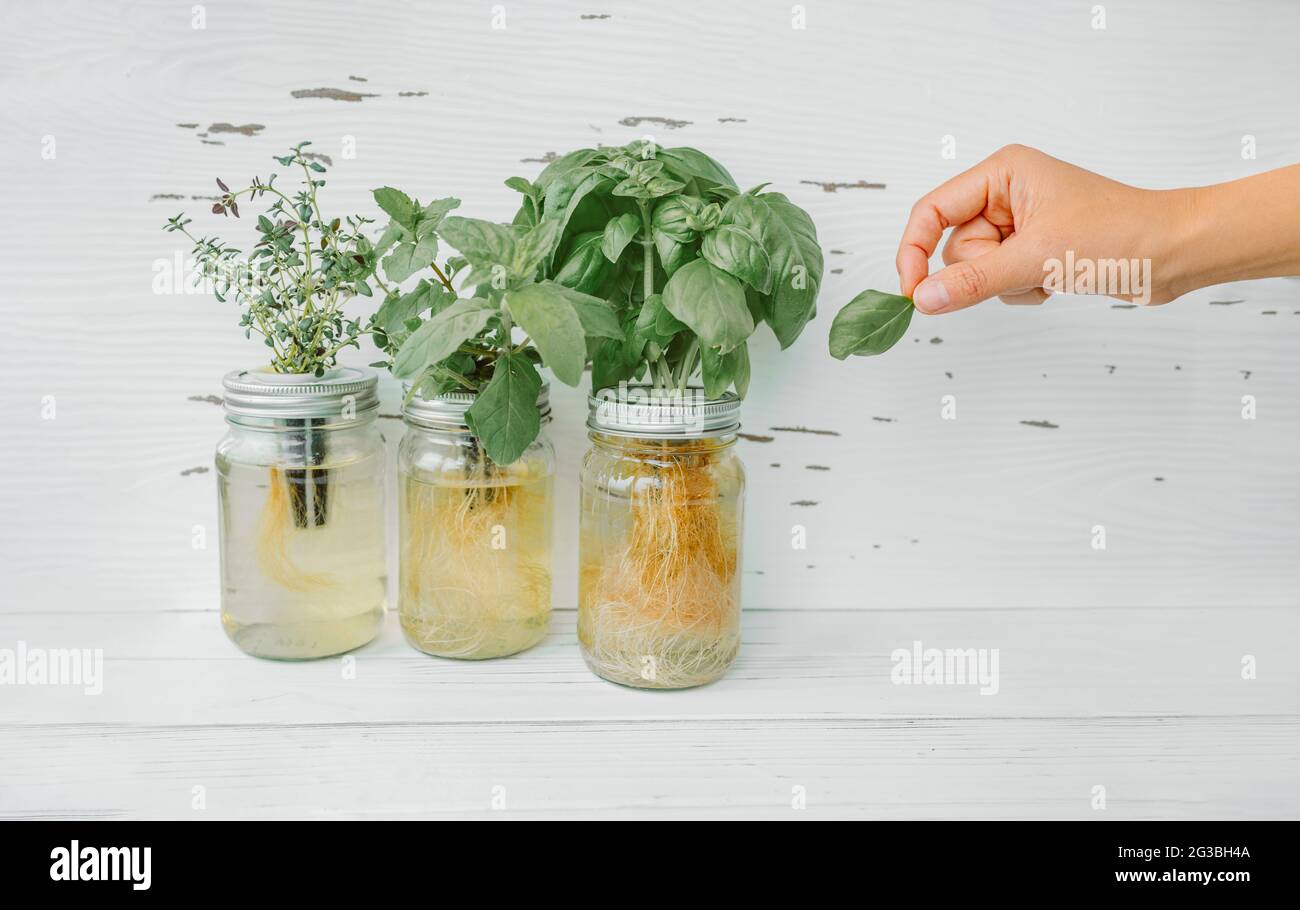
1119 668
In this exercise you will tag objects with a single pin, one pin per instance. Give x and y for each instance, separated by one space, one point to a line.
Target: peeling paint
358 78
333 94
205 198
834 187
318 156
775 464
1226 302
936 340
166 196
949 375
207 399
1045 424
804 502
595 16
211 142
1123 306
200 469
884 419
732 120
1159 480
188 126
1245 374
753 437
1110 367
246 129
545 159
817 467
837 252
411 94
666 122
1268 312
804 430
837 271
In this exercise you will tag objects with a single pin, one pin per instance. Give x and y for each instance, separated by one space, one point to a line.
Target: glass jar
659 538
300 486
475 558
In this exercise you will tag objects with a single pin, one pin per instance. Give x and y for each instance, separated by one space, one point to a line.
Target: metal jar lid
343 392
447 411
643 412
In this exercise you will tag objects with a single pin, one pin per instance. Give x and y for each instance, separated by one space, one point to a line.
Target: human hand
1017 214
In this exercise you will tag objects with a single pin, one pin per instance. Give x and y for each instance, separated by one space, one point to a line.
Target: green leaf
687 162
397 205
438 338
741 377
735 250
408 258
596 315
563 165
534 248
671 217
483 243
520 185
431 215
504 416
619 232
549 319
718 370
870 323
790 239
586 267
673 255
711 303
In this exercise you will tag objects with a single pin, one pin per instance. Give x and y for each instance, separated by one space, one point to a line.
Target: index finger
953 202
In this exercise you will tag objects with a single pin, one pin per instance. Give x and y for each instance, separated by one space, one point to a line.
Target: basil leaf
671 216
619 232
550 321
504 416
483 243
438 338
741 377
870 323
711 303
790 239
735 250
717 369
690 163
561 166
586 267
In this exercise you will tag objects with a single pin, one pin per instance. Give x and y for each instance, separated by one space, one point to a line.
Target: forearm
1247 228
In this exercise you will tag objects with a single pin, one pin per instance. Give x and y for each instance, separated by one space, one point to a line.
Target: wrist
1185 256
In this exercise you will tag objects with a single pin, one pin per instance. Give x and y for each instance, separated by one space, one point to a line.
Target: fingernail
931 296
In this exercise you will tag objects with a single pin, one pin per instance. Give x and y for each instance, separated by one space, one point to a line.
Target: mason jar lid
263 393
644 412
447 411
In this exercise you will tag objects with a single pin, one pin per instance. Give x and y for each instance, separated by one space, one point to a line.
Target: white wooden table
1120 668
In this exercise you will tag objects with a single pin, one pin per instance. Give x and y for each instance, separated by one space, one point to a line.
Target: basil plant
688 264
442 337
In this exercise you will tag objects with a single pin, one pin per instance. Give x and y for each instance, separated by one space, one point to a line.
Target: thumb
964 284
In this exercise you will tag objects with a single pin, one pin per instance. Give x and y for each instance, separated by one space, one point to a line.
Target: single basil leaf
711 303
619 232
438 338
535 248
483 243
673 255
504 416
870 323
561 166
566 195
718 370
520 185
760 305
790 239
596 315
691 163
666 324
735 250
397 205
741 374
586 268
550 321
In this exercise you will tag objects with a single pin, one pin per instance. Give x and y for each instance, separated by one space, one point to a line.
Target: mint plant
293 284
442 338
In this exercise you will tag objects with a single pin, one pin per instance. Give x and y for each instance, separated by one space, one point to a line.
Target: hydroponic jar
659 548
475 558
300 484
